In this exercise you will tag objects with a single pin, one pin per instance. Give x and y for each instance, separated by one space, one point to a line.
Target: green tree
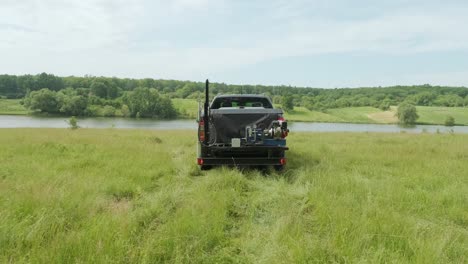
99 89
112 92
288 103
43 100
166 109
93 110
25 84
407 114
74 105
125 111
50 81
425 98
450 121
277 99
8 86
342 102
450 100
385 105
146 102
73 122
108 111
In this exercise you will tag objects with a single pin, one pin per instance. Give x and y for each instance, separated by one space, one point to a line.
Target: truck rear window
222 102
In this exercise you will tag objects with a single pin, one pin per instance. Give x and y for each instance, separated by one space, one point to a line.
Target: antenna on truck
206 113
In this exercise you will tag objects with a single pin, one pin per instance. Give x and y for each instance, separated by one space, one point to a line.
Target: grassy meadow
437 115
136 196
12 107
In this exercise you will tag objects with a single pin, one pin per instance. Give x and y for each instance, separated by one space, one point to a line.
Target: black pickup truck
241 130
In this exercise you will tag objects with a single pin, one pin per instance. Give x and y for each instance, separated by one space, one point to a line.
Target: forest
105 96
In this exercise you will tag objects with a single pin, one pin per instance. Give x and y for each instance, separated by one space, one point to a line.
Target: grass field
133 196
437 115
12 107
187 108
354 114
302 114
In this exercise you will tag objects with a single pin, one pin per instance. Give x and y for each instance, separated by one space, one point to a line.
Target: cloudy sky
316 43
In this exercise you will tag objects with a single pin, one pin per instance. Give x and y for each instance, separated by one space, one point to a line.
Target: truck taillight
200 161
283 161
201 130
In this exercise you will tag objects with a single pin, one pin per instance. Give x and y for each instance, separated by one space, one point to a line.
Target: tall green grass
131 196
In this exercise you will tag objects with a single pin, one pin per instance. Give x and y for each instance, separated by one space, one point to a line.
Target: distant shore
187 109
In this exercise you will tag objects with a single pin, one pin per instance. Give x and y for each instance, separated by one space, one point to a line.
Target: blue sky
329 44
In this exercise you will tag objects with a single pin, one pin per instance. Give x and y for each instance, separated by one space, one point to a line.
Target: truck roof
241 95
241 100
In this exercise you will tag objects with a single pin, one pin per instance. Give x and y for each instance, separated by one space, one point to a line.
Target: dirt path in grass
386 117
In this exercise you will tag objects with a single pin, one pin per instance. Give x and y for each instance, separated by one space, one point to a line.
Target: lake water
12 121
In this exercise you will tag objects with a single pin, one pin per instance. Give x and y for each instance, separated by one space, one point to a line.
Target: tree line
141 102
90 95
86 96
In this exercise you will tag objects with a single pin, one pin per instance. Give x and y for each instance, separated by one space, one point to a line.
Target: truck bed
230 123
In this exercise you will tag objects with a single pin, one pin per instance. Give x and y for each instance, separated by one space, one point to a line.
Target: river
12 121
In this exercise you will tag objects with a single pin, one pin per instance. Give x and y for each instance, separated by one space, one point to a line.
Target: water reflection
344 127
11 121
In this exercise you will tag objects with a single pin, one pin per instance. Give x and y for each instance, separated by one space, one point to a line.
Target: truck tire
206 167
278 167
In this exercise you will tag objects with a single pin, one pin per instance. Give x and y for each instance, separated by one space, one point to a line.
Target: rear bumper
245 155
241 161
247 148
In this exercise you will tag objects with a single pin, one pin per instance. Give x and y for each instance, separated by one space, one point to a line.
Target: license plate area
235 142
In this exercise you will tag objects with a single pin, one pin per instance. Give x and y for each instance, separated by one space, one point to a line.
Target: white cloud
404 32
68 25
193 4
189 38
